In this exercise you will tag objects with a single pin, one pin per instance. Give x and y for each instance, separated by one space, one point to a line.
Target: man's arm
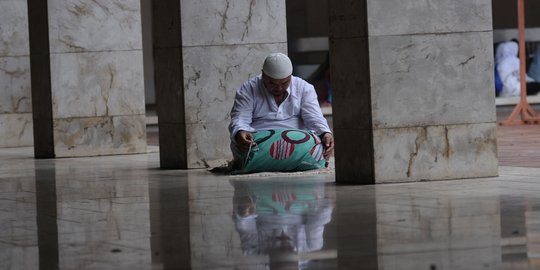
244 139
242 112
311 111
328 142
314 119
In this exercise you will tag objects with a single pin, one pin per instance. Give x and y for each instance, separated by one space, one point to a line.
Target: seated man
275 100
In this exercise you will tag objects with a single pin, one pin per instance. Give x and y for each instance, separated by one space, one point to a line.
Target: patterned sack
284 150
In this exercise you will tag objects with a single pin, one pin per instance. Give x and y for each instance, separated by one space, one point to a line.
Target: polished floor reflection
121 212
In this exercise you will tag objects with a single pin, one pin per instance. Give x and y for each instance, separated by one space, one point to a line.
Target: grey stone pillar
15 102
413 90
87 78
203 51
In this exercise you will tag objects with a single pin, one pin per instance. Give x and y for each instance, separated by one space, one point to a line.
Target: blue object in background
498 82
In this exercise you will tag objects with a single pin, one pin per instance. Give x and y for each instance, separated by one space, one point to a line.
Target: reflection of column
520 233
169 224
212 236
437 229
532 223
400 113
15 104
356 219
87 78
47 227
103 216
203 51
513 232
18 230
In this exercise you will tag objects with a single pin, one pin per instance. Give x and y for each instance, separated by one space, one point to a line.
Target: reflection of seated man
275 99
281 219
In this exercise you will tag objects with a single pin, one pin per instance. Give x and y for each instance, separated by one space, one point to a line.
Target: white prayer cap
277 66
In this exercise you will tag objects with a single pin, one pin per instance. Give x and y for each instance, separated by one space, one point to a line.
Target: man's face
276 87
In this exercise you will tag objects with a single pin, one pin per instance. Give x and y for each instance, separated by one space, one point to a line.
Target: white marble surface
96 77
107 218
419 80
212 74
432 16
435 152
97 84
18 247
119 212
15 92
15 95
208 144
232 22
214 234
76 26
16 130
14 28
99 136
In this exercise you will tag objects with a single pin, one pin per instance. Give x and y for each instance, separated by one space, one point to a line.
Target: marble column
87 77
15 101
413 93
203 51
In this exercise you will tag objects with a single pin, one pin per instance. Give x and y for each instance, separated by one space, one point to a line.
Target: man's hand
328 142
243 140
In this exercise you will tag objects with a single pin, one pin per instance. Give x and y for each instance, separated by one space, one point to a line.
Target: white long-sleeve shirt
255 108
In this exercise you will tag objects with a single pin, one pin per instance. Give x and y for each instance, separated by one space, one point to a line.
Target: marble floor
122 212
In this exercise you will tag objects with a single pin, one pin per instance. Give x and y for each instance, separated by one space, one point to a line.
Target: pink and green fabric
284 150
